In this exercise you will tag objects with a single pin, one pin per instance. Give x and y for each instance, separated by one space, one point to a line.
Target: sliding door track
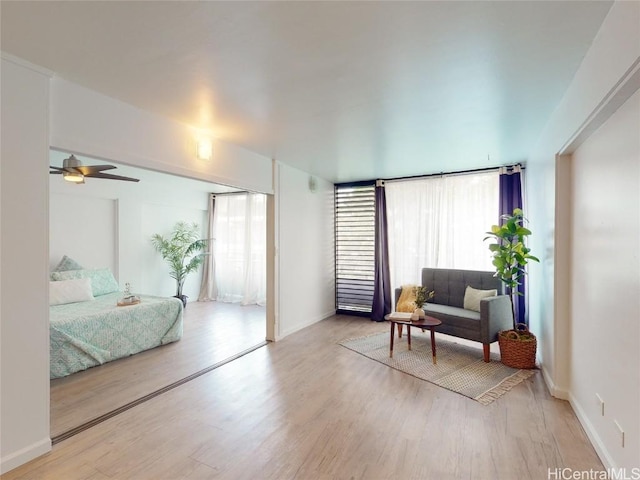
138 401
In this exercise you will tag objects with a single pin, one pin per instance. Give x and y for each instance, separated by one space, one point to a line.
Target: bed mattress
87 334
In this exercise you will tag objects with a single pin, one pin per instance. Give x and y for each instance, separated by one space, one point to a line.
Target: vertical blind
355 242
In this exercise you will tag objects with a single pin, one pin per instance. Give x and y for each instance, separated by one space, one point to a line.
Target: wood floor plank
213 331
308 408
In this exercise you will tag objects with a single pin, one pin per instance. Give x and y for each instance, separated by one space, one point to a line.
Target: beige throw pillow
473 296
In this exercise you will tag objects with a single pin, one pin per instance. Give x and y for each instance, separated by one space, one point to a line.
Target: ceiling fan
73 171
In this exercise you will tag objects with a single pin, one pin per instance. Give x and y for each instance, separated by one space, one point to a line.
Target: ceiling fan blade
75 168
90 169
66 169
112 177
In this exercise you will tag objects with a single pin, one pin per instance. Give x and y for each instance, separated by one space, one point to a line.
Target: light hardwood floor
307 408
213 331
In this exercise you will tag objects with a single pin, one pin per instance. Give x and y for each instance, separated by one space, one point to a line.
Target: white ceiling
344 90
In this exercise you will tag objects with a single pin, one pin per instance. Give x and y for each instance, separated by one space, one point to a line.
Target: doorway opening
108 224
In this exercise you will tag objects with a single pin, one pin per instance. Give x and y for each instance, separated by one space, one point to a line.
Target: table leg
409 336
433 345
391 342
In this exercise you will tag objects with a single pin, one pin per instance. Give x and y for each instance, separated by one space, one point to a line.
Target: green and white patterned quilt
87 334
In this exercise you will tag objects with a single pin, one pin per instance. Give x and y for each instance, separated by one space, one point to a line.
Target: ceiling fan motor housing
71 162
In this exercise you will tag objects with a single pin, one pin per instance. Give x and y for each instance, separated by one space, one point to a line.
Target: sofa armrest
495 315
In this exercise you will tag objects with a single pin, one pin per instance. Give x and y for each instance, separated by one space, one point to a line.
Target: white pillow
70 291
472 297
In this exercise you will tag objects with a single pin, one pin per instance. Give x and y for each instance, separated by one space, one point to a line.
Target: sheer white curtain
208 286
440 222
240 248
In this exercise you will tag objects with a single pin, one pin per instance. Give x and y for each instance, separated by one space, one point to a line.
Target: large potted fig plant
183 250
510 258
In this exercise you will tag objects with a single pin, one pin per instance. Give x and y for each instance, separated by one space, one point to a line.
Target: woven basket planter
518 347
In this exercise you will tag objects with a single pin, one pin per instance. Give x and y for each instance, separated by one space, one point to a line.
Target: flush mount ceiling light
204 149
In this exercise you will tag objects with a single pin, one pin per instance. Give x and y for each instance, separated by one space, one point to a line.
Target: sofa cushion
454 317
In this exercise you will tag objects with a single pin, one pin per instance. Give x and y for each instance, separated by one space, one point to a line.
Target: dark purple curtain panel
382 284
510 198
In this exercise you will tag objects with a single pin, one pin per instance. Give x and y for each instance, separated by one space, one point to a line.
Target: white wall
614 52
605 279
24 312
602 79
81 122
86 122
107 223
306 251
84 228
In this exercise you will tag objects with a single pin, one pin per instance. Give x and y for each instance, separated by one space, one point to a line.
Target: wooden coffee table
426 323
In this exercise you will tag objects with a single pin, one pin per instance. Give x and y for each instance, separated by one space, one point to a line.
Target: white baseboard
15 459
557 392
591 432
305 324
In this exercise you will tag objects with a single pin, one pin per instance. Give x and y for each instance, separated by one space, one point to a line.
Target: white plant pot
418 314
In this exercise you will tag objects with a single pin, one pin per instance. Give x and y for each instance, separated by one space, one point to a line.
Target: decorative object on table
128 298
183 250
412 298
510 257
421 297
460 368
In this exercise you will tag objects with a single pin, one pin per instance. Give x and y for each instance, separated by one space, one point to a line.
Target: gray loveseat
449 286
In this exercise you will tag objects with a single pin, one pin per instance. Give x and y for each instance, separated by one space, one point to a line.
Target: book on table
404 316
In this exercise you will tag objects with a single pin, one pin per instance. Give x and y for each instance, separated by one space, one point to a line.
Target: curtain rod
229 193
441 174
460 172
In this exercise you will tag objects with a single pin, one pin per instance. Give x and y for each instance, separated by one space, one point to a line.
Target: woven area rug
460 368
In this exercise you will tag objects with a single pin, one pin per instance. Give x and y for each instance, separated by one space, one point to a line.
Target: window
240 248
436 221
440 222
355 239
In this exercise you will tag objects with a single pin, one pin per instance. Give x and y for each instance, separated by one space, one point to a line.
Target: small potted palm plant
183 251
510 258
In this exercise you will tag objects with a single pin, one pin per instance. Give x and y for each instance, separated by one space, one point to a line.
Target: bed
91 333
88 328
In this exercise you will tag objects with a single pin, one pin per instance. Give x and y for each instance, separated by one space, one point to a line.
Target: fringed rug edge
503 387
